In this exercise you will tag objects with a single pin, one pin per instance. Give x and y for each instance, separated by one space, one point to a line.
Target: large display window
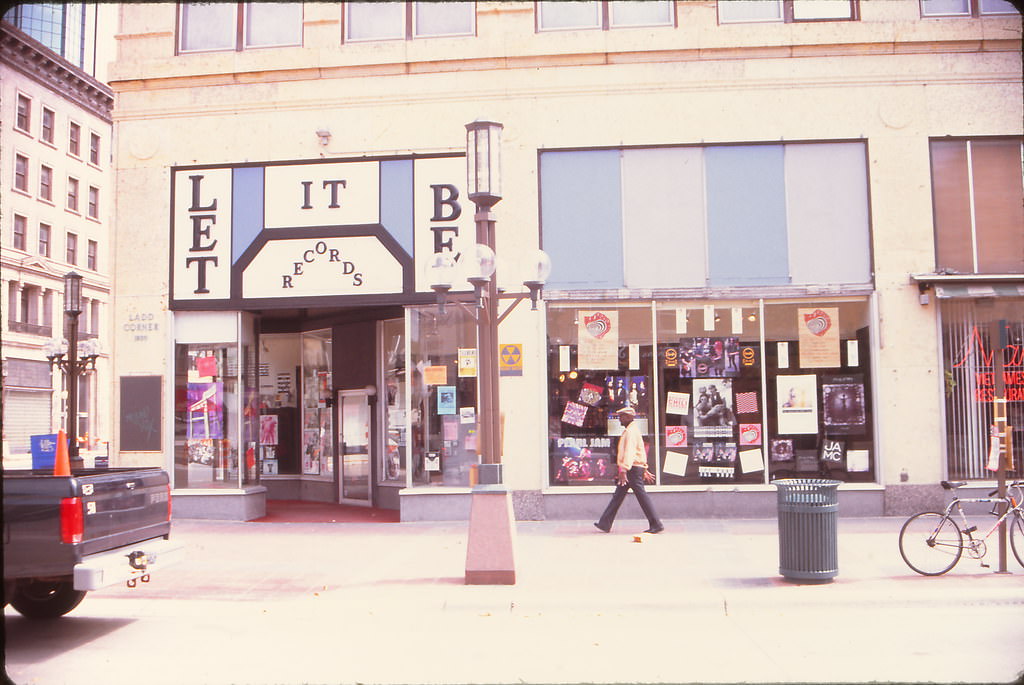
442 404
726 392
317 403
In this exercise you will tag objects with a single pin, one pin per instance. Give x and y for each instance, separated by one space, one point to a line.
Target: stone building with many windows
56 185
788 233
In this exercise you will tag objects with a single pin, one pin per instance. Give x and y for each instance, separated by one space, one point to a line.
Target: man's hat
627 410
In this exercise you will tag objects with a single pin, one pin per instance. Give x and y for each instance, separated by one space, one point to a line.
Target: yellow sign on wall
510 360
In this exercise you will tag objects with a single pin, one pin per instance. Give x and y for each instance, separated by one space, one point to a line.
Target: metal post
999 342
71 370
487 336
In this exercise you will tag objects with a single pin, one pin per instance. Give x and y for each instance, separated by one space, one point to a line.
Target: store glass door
354 446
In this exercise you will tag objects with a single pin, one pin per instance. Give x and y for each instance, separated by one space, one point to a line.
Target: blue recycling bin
44 450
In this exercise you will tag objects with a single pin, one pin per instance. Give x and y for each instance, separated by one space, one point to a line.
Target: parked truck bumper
132 562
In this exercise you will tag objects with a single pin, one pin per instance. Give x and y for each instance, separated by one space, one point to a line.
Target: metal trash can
808 545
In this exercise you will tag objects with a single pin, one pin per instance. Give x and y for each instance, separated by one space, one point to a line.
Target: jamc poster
598 338
842 398
818 329
797 399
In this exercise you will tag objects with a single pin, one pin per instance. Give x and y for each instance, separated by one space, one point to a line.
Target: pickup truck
66 535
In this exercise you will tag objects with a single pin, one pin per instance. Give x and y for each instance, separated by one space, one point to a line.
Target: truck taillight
168 502
72 520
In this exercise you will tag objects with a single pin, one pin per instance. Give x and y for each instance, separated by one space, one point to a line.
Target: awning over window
975 290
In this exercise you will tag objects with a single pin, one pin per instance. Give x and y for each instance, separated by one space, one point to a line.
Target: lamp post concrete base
490 551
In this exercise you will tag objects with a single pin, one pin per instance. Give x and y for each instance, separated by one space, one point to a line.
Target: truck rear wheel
45 598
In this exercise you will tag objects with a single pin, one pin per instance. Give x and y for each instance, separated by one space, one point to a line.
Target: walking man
633 473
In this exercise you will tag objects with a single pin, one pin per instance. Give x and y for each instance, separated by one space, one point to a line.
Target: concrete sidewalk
717 564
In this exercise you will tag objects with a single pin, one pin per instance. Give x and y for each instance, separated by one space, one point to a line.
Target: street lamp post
489 554
74 362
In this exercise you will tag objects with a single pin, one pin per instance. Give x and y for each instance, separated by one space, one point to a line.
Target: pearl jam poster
842 398
598 338
582 460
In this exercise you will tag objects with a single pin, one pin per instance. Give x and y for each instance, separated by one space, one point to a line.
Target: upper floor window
236 26
21 173
91 254
553 16
72 248
44 239
20 232
72 194
49 118
74 139
399 20
94 202
94 149
978 200
46 183
736 11
965 8
23 120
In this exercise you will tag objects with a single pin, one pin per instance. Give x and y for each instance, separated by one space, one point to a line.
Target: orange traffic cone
62 463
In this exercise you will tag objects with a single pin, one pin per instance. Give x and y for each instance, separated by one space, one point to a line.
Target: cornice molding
32 58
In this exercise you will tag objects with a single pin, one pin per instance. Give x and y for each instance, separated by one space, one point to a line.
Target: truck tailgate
121 507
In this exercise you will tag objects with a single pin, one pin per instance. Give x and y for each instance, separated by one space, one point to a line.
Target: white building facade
789 234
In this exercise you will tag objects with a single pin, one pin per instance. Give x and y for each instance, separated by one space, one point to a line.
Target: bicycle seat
954 484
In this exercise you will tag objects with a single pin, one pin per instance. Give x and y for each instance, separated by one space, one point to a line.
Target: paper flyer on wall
467 362
598 337
818 335
675 463
677 403
446 399
751 461
797 399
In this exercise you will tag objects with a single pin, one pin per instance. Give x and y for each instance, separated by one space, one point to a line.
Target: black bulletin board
140 413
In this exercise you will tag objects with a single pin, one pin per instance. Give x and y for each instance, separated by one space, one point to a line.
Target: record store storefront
311 361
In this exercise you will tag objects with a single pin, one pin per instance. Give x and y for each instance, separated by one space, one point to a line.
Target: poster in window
751 461
200 452
598 340
206 367
268 429
806 461
716 460
712 410
750 434
675 436
205 404
833 454
582 459
590 394
782 450
574 414
627 390
311 452
446 400
677 403
858 461
467 362
818 330
746 403
797 400
435 375
709 357
842 398
675 463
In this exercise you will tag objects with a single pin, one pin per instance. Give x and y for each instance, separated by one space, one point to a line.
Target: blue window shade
581 218
746 215
396 201
246 208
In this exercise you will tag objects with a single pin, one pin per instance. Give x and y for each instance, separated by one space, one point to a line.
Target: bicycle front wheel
931 543
1017 536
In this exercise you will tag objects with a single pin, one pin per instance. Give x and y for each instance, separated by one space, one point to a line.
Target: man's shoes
655 531
602 528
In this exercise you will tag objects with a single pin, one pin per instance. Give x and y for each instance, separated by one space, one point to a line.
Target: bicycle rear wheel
1017 536
931 544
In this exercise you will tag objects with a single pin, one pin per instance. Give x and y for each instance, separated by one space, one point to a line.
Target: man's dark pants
634 480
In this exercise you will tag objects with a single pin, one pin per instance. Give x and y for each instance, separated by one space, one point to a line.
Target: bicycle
932 543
